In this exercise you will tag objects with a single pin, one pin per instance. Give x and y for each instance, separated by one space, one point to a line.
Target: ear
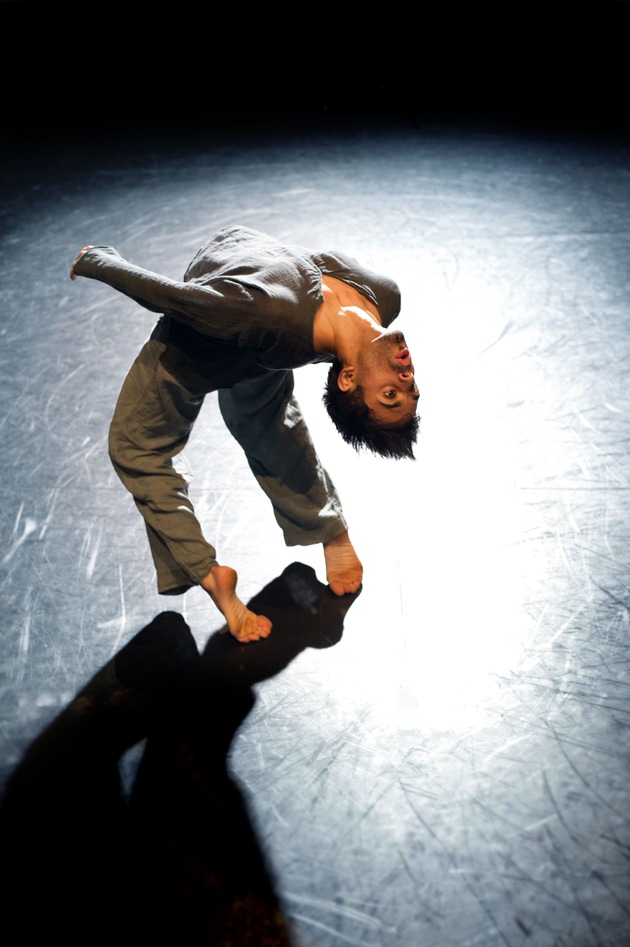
346 381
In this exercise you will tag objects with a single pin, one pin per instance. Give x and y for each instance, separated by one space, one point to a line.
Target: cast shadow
173 853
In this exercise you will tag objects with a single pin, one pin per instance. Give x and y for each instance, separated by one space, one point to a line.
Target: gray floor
441 760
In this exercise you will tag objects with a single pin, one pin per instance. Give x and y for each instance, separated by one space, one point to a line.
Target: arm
209 310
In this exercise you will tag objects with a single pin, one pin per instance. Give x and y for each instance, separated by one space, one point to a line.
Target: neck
344 321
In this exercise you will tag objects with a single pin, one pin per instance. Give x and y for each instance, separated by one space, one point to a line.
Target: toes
344 586
246 637
253 632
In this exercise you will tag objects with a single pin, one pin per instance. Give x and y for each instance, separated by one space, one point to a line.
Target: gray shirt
246 305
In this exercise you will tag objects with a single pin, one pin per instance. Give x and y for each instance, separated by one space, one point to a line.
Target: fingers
76 260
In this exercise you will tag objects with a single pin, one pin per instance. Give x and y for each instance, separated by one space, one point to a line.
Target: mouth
403 357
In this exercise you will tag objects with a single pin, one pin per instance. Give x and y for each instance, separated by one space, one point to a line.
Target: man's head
373 403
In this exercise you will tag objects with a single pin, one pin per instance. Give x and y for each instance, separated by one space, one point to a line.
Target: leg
265 418
151 425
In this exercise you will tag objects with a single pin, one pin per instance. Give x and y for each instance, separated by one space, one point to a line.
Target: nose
408 379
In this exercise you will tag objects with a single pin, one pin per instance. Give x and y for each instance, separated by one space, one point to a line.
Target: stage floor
440 760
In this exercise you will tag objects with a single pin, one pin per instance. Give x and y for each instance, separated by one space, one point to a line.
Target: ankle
341 540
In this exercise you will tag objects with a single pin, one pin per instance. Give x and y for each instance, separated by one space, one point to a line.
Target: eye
390 393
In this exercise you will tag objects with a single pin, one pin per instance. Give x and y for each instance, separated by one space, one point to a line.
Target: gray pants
152 422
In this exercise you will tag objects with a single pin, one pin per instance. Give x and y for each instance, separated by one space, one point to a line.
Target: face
386 375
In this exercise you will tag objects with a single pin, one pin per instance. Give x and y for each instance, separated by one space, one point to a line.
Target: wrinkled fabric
239 322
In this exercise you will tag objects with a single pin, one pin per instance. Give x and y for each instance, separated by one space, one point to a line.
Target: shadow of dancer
177 856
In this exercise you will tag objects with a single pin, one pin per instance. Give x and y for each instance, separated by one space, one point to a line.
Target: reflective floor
440 760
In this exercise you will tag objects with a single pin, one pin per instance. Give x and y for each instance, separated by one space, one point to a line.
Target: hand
77 258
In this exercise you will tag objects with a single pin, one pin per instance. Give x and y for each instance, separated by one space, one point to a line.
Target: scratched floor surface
441 760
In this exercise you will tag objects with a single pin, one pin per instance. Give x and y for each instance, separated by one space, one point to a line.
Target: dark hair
359 427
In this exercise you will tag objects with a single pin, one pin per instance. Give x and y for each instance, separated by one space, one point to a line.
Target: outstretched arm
206 308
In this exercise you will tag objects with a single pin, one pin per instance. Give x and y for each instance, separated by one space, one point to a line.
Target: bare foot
220 584
343 567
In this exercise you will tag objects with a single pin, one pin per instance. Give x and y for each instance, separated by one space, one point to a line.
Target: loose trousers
152 422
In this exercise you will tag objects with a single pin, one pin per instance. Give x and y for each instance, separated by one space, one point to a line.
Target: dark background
91 74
